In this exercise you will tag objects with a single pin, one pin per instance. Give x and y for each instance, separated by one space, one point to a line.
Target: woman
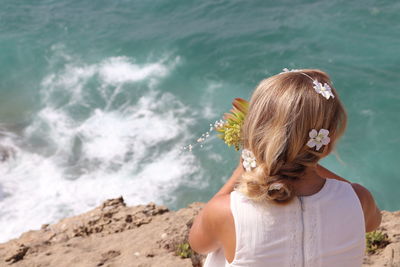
280 207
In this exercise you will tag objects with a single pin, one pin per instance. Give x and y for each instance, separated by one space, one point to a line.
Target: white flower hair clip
318 139
325 90
249 160
286 70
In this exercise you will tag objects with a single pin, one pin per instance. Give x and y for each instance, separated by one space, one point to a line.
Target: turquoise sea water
97 97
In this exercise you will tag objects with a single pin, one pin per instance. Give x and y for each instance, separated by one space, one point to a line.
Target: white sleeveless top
326 229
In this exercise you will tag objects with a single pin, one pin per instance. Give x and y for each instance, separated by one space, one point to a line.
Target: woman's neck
309 184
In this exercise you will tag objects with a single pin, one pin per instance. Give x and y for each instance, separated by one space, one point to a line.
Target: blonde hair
283 109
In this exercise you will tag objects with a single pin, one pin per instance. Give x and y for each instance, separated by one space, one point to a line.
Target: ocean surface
98 97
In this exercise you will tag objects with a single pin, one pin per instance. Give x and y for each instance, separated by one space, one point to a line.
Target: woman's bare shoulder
207 228
372 214
219 208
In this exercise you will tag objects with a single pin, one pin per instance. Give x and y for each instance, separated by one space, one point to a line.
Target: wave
103 130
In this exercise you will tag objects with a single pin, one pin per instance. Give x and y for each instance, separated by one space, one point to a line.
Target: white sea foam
77 152
119 70
208 110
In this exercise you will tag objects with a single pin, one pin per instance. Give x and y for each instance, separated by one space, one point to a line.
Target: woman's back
324 229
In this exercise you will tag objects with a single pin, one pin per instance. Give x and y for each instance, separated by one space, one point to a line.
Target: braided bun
259 187
279 191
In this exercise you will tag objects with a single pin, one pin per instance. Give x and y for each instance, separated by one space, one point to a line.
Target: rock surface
390 255
109 235
144 235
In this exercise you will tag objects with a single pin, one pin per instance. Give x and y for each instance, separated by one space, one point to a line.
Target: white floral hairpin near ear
249 160
318 139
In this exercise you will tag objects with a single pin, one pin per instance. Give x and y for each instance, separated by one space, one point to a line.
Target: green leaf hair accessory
318 139
230 128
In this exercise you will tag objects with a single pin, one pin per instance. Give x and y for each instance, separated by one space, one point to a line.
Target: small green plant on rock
376 240
184 250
